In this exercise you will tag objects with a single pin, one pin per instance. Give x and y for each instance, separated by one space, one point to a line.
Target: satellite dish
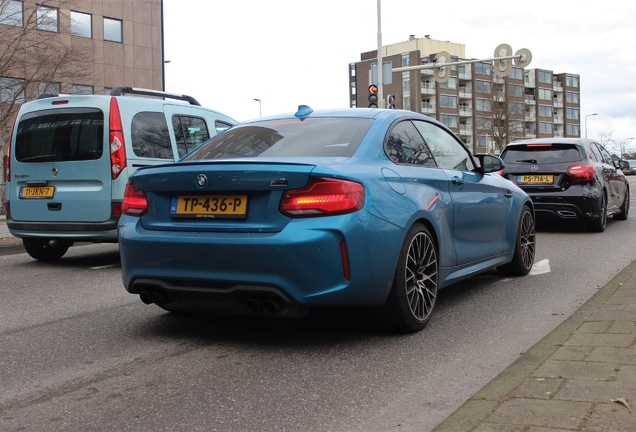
525 57
442 74
503 67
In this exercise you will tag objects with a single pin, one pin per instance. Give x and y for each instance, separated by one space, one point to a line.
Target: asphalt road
79 353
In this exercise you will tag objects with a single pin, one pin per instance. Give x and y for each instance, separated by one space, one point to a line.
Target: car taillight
8 178
116 139
323 197
582 172
135 202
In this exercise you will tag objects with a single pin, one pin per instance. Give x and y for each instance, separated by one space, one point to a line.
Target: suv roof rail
119 91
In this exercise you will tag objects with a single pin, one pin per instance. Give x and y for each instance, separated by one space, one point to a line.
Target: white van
70 158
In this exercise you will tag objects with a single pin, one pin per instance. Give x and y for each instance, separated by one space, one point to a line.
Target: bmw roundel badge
202 180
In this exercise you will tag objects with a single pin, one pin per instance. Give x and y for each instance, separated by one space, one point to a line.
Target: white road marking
540 267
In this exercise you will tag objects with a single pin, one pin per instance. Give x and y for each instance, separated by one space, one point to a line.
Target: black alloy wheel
414 292
599 224
525 246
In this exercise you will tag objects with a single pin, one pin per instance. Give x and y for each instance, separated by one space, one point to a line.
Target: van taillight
116 139
581 172
135 202
323 197
9 147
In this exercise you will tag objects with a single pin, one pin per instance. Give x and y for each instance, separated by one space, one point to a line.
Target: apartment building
486 111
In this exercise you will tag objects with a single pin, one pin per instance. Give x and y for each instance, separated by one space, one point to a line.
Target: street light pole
586 122
259 106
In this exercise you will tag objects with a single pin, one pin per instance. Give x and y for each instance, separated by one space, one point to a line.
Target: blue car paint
302 256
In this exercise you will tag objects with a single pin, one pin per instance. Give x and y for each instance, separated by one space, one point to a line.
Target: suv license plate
36 192
210 206
535 179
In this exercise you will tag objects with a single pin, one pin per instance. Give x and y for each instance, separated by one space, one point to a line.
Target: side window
221 126
150 136
190 132
606 156
596 153
404 145
446 150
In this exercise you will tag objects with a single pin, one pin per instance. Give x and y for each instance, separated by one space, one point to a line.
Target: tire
414 291
624 208
46 249
525 246
598 225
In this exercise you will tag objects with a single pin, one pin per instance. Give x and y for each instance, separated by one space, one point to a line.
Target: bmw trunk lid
219 196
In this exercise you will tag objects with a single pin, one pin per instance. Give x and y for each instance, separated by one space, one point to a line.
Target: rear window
60 135
321 137
542 154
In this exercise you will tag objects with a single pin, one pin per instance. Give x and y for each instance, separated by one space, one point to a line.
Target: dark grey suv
569 178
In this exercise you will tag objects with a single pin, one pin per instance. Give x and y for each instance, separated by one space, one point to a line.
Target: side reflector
345 259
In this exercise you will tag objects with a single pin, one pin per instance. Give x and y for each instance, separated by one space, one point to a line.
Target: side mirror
490 163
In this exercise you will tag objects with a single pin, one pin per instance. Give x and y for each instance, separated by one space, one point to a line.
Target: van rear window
60 135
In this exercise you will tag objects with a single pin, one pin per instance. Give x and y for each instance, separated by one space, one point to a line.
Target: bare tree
605 138
37 54
502 117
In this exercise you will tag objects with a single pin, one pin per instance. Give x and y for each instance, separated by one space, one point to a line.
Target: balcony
530 133
558 119
465 75
466 111
558 103
428 88
500 96
428 108
465 130
557 86
466 93
427 71
558 134
497 79
531 116
529 81
530 100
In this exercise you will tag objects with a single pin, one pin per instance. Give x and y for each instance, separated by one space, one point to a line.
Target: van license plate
535 179
39 192
209 206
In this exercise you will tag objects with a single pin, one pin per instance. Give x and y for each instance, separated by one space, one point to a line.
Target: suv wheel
46 249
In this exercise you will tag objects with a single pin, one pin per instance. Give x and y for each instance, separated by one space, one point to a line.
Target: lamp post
259 106
586 122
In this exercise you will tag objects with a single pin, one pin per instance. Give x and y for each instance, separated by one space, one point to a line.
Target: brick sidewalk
580 377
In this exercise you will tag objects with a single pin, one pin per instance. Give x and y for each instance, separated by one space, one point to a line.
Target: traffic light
373 96
390 101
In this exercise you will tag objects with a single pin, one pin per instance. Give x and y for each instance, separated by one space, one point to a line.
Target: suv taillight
323 197
116 139
581 172
135 202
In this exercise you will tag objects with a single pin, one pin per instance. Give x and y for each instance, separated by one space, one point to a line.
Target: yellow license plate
36 192
535 179
212 206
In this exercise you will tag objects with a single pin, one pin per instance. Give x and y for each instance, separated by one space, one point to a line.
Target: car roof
370 113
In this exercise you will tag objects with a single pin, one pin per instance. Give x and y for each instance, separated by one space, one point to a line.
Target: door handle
507 193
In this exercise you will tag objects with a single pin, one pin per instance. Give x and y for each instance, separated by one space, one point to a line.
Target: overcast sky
290 52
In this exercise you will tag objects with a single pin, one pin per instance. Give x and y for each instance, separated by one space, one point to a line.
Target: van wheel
46 249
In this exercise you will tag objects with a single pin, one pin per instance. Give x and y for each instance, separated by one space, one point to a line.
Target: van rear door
60 168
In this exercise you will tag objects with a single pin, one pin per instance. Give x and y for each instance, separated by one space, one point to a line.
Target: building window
545 77
545 110
483 68
352 69
572 114
482 105
47 19
353 88
11 13
516 73
571 81
49 88
515 108
112 30
406 83
483 86
573 130
572 97
107 90
516 126
79 89
515 90
446 101
545 128
405 60
545 94
406 102
484 123
484 141
81 24
450 84
12 90
449 120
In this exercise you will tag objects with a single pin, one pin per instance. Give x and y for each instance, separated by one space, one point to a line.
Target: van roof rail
119 91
